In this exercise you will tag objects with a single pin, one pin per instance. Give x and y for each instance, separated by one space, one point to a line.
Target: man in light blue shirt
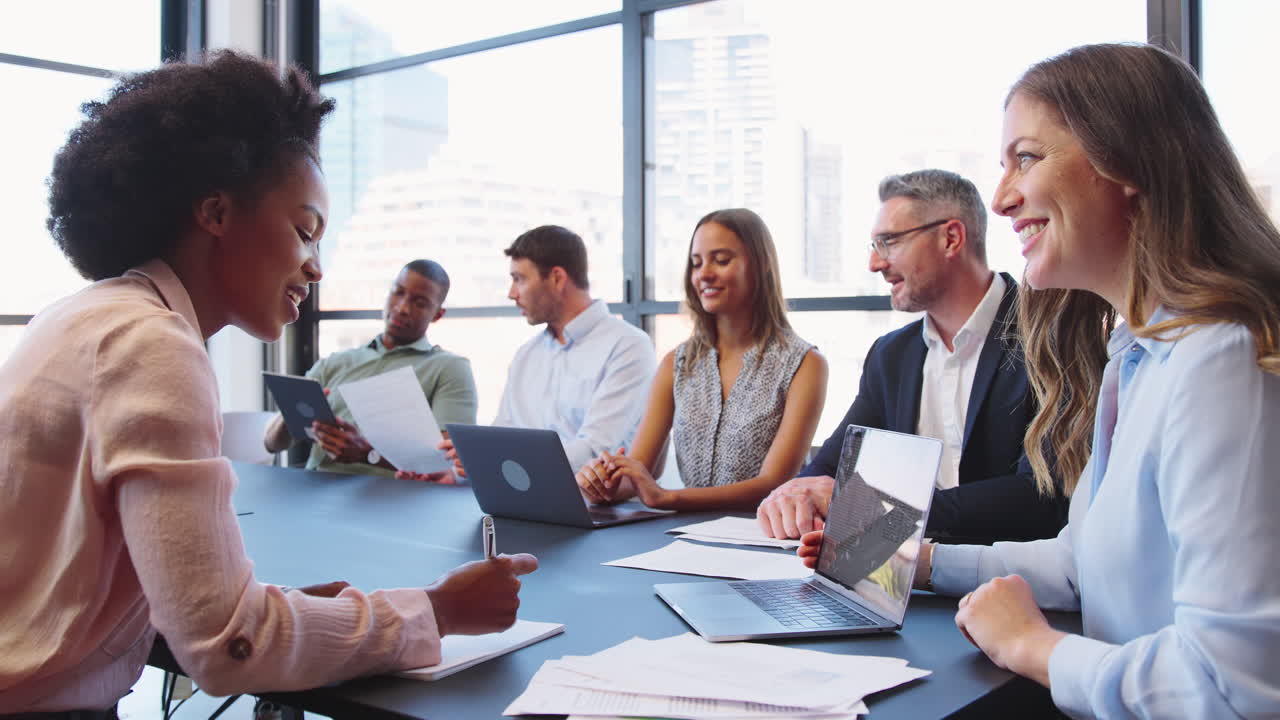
587 374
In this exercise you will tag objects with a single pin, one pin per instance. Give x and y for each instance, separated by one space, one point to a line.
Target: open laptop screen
883 486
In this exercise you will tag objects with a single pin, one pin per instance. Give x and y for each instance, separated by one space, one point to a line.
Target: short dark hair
124 185
946 191
550 246
433 271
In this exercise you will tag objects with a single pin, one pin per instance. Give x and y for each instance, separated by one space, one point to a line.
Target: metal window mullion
653 6
181 29
42 64
1175 25
634 127
494 43
302 47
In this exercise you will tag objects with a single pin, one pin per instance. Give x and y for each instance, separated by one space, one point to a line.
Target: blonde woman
1129 202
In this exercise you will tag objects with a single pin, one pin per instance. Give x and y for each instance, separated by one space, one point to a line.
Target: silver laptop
523 473
883 486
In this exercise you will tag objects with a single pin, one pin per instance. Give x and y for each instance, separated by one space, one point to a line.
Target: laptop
883 486
523 473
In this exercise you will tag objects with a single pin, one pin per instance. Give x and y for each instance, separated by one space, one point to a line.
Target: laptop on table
523 473
883 486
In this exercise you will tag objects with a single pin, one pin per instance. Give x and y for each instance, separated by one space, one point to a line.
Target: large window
54 56
117 35
32 138
404 27
1241 84
627 120
452 160
797 115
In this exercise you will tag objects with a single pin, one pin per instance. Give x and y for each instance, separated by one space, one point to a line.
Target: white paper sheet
741 670
844 716
394 416
732 531
859 711
459 652
548 694
692 559
688 666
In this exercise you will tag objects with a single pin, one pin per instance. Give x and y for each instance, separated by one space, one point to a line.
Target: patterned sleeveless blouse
723 443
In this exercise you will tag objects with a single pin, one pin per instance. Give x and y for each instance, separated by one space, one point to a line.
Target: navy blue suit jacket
996 498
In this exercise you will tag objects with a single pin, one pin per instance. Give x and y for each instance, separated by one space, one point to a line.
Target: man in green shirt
415 301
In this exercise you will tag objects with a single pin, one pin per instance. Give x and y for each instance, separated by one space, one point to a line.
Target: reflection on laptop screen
883 486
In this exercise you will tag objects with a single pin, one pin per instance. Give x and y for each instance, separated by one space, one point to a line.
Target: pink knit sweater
116 521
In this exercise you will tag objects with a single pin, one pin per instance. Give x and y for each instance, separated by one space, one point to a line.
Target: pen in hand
490 539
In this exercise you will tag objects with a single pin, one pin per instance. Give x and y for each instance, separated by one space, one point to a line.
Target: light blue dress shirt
1170 551
591 390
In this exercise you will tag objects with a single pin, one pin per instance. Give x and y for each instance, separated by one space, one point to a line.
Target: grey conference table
305 527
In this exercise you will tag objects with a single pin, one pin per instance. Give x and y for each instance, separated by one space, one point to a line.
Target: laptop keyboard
800 605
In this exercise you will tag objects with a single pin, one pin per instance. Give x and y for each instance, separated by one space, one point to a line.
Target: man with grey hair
956 374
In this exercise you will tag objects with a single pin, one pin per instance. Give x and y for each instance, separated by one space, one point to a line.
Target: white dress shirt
1169 550
948 381
591 390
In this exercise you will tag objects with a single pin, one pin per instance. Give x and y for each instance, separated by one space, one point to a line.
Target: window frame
181 35
1174 24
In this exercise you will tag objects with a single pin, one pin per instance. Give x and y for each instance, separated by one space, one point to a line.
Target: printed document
394 416
732 531
693 559
688 678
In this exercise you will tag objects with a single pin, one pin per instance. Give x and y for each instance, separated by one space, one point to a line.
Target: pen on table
490 538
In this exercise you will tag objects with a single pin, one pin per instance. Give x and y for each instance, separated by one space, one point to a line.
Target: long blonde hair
1200 242
769 308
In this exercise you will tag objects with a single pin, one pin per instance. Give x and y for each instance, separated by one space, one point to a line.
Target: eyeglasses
884 242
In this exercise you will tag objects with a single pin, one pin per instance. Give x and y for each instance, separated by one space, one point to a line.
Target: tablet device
301 400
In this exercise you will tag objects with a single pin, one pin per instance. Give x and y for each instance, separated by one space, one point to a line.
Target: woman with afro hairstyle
193 196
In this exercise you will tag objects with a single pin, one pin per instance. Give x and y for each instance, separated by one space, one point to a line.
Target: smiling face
413 303
1072 221
915 263
720 269
268 248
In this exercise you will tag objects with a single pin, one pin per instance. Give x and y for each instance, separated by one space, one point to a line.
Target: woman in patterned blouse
743 393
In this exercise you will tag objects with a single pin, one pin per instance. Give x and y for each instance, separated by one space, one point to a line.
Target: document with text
394 416
686 677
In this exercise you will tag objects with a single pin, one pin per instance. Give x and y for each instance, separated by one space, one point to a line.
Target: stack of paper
732 531
689 678
693 559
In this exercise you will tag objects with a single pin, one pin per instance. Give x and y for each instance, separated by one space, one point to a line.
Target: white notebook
459 652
